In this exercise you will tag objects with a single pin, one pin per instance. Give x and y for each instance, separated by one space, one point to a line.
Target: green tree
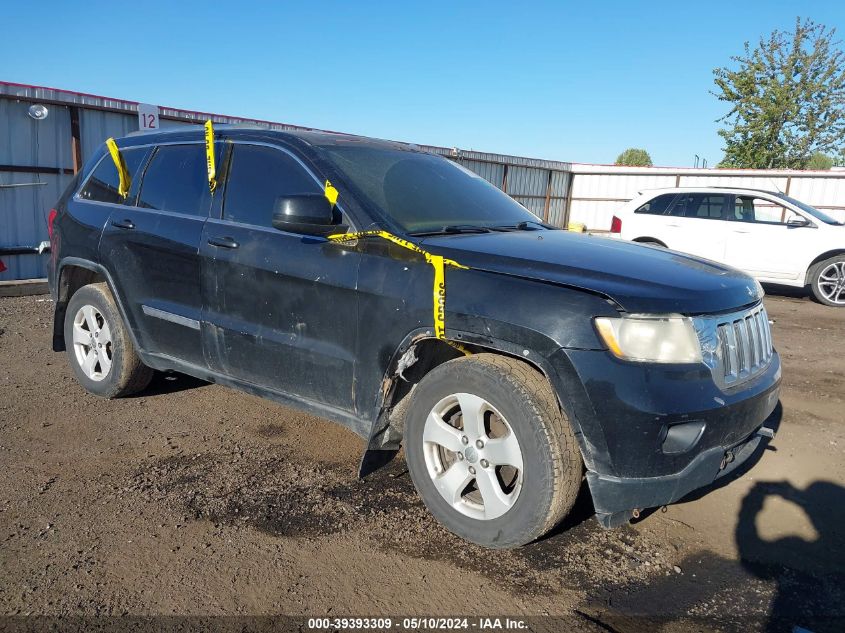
787 99
634 157
819 161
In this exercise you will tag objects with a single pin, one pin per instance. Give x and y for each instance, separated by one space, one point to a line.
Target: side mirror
307 213
796 222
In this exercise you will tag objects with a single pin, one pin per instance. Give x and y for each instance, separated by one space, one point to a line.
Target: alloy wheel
831 282
473 456
92 342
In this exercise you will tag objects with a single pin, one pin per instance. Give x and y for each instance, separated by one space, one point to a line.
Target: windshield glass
423 192
819 215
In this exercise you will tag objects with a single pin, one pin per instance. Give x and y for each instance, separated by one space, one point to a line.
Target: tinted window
259 175
658 205
699 205
176 180
103 184
422 192
751 209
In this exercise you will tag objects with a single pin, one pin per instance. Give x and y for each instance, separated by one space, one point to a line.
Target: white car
769 235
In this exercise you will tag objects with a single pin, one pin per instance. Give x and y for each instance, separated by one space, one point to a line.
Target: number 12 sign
147 117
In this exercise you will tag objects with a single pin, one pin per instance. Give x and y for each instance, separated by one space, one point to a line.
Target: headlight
651 339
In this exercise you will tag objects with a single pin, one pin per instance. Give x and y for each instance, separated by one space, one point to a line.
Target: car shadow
776 290
170 382
809 574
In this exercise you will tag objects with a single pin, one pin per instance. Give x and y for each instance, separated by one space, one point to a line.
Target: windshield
423 192
819 215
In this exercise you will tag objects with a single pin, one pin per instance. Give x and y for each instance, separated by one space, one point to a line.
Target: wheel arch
820 258
72 274
416 356
649 240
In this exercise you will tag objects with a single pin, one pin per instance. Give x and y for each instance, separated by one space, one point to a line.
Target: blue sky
568 81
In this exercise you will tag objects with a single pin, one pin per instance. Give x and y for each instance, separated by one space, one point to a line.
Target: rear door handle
223 242
123 224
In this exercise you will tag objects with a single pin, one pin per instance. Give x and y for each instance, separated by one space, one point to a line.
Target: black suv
564 356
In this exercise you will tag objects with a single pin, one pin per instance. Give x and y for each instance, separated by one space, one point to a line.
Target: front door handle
123 224
223 242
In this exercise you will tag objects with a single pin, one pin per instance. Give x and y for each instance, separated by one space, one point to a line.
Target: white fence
598 190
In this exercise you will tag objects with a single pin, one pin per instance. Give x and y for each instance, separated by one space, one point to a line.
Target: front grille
745 345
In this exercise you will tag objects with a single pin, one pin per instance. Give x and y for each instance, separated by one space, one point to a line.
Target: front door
281 308
152 251
762 243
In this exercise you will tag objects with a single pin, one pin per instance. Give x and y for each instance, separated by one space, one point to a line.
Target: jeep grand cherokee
565 357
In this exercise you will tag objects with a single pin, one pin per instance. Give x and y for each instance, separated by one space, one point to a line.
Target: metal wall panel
557 209
98 125
25 141
491 172
23 219
560 184
527 181
535 205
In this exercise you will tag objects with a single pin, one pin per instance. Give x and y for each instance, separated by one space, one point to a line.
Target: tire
517 403
114 370
827 281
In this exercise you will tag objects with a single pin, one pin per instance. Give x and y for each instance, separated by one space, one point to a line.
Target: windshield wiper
452 229
527 225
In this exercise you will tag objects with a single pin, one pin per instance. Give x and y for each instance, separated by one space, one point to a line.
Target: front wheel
827 281
490 452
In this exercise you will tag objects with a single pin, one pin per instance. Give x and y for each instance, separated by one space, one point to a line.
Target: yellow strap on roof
438 262
125 180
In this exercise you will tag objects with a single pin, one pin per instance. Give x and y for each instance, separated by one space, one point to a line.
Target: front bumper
624 410
615 498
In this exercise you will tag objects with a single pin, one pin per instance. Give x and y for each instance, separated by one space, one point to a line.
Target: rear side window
177 180
102 186
258 175
657 206
699 205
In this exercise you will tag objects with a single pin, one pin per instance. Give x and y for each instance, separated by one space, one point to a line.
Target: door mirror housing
796 222
306 213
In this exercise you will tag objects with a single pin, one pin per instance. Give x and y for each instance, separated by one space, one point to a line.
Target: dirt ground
195 499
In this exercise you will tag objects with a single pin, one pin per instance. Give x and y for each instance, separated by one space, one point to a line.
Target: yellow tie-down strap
438 262
125 180
209 156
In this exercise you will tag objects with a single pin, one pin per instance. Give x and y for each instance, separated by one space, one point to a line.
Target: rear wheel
490 452
827 281
101 353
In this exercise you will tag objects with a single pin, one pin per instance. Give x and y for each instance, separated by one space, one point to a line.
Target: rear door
696 224
281 308
152 252
649 221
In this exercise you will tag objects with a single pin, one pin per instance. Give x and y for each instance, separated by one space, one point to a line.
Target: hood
641 279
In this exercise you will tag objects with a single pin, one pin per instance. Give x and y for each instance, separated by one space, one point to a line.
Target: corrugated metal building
39 157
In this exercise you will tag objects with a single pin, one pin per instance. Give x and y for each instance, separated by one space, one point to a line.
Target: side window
258 175
657 206
102 186
699 205
751 209
176 180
